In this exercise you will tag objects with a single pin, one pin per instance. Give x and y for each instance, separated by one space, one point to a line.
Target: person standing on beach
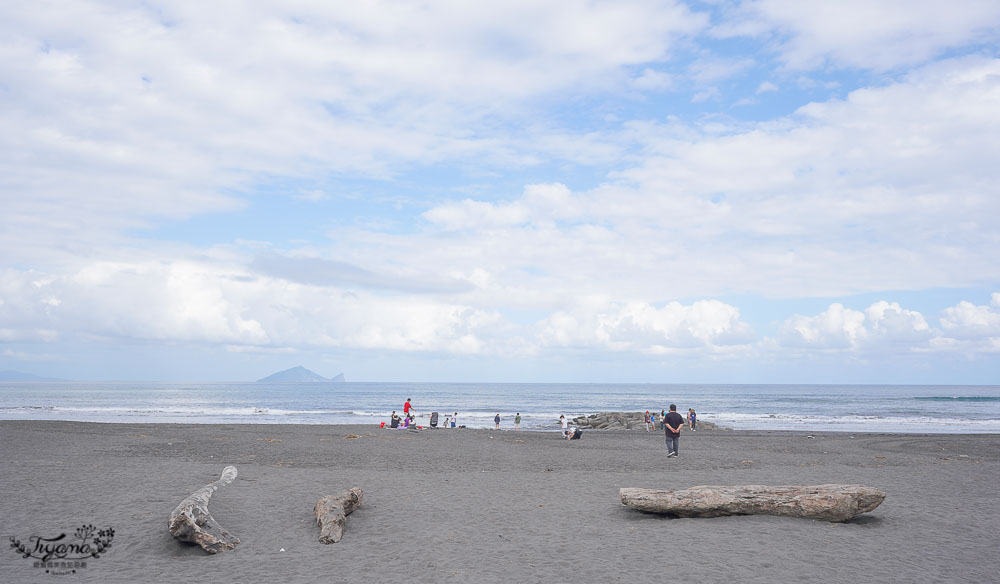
692 418
672 424
517 421
454 420
496 421
648 421
406 407
565 424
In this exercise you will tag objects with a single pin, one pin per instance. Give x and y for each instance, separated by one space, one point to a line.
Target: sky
642 191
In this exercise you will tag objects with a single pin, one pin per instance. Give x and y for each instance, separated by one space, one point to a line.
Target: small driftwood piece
332 511
191 521
821 502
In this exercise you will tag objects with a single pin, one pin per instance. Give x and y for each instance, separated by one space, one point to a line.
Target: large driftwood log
191 521
332 511
821 502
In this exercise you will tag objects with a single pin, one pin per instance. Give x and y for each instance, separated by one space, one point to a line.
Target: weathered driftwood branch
822 502
191 521
332 511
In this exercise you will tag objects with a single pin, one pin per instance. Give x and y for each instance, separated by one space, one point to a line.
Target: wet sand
494 506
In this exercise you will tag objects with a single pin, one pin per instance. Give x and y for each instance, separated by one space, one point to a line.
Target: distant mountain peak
298 375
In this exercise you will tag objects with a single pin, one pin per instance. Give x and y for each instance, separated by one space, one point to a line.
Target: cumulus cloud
835 328
970 321
222 304
888 327
642 327
889 320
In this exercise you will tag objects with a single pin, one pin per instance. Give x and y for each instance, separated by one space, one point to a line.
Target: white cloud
651 80
890 321
765 87
835 328
969 321
886 327
116 116
793 207
641 327
863 34
219 303
538 203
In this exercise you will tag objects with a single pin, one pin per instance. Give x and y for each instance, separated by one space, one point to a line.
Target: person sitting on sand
406 421
394 420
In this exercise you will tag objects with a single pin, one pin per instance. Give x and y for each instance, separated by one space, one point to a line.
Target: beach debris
191 521
331 513
821 502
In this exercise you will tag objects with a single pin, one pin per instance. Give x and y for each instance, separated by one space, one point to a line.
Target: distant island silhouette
298 375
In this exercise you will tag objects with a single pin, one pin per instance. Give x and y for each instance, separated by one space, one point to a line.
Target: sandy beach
494 506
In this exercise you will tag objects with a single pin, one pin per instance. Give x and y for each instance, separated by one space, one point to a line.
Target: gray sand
488 506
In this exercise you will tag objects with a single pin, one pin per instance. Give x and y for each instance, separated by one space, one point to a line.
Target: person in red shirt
407 406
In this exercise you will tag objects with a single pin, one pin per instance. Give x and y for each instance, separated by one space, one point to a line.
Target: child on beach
517 421
565 424
496 421
692 418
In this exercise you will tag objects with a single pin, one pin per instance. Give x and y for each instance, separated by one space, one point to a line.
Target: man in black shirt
672 424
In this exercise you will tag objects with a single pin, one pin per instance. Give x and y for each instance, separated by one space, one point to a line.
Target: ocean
847 408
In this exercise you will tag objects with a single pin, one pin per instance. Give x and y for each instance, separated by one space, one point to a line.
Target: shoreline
370 426
527 505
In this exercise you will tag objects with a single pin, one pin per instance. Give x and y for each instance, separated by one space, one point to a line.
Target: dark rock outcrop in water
628 421
298 375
